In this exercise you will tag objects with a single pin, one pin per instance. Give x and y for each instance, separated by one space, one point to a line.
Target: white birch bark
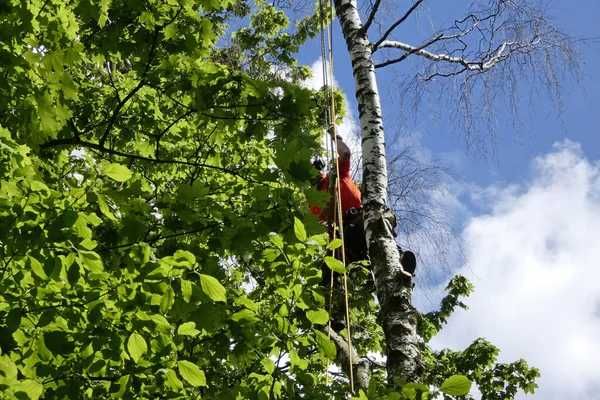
397 315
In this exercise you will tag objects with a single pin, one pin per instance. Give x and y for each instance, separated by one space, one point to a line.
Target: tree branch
396 24
411 52
482 65
164 237
96 146
371 16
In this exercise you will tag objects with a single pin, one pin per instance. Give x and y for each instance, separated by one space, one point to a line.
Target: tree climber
354 237
355 244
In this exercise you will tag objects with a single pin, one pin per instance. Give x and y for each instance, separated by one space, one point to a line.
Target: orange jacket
350 193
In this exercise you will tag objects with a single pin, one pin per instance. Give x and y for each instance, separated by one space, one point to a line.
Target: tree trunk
397 315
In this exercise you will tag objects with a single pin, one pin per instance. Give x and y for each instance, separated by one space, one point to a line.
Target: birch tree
486 49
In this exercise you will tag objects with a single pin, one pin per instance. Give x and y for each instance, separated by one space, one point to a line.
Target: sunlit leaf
137 347
326 346
118 172
319 317
191 373
299 230
335 265
456 385
213 288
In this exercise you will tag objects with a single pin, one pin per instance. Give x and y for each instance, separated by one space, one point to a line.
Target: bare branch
419 189
371 16
409 53
500 54
396 24
487 55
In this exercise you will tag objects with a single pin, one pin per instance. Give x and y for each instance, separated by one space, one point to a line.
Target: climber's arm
344 156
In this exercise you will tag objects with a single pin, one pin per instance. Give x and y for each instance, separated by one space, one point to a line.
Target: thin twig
371 16
395 24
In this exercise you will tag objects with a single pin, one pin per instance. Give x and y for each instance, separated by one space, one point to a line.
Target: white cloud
534 259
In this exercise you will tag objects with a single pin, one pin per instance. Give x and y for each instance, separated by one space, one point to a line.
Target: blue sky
540 126
526 214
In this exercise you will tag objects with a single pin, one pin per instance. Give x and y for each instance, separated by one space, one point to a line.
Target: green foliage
139 180
136 345
212 288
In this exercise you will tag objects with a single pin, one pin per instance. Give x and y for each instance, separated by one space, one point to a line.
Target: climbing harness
335 221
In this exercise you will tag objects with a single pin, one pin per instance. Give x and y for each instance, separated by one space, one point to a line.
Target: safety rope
330 113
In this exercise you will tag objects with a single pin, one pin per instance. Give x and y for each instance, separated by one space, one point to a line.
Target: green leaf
276 239
37 186
335 265
122 383
244 315
105 208
184 258
297 361
188 329
456 385
167 300
212 288
117 172
334 244
136 345
103 17
31 388
191 373
411 390
321 239
161 322
170 31
268 365
361 396
88 244
172 380
186 290
91 260
37 268
325 345
299 230
8 370
319 317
